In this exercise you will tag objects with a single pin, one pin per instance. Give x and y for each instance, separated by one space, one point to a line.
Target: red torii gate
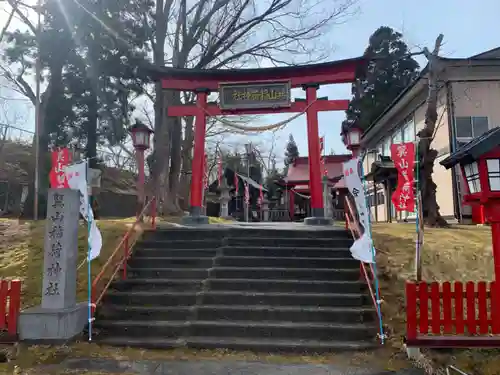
257 91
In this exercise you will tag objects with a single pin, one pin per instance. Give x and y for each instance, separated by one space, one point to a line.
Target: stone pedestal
59 318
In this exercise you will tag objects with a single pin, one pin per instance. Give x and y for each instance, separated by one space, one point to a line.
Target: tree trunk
174 125
187 148
432 216
91 130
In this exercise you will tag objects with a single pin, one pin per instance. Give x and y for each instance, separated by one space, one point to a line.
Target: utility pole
38 70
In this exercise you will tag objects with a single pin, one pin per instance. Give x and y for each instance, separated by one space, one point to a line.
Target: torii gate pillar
315 181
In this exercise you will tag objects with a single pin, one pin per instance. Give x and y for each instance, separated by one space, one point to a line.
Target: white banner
76 175
362 249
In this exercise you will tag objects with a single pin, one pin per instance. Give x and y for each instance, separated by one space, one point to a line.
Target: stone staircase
242 289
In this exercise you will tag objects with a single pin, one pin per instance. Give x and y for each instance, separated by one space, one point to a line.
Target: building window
409 131
397 138
386 147
468 128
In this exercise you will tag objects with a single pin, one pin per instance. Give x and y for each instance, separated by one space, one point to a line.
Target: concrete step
298 286
283 251
247 329
178 244
150 298
135 312
186 234
173 285
170 262
164 298
257 313
284 299
168 273
281 273
284 262
269 345
188 253
333 243
257 285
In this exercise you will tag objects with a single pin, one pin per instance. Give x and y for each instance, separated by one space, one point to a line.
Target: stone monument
59 317
224 199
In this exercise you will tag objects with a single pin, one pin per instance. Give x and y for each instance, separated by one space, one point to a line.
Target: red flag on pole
236 183
261 196
247 194
403 155
322 158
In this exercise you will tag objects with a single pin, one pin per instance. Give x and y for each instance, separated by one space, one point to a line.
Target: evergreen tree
390 70
291 152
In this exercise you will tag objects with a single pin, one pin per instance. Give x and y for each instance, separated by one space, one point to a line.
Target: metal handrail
353 226
124 243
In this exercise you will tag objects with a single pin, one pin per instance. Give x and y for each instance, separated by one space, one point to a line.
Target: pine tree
291 152
390 70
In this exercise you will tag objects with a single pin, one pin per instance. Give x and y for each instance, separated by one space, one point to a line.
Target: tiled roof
299 171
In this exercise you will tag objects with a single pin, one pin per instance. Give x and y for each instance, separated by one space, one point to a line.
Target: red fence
453 315
10 304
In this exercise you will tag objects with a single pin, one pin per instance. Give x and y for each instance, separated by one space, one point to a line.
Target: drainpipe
450 107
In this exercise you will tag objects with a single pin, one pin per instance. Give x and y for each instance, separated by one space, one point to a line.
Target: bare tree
227 33
431 214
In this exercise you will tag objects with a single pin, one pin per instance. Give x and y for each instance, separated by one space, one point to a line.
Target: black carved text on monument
56 249
58 201
54 269
58 217
56 232
52 289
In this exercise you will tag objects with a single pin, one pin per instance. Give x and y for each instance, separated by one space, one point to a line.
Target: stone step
257 285
269 345
333 243
243 261
246 329
280 273
283 251
293 286
170 262
302 314
178 244
173 285
167 298
292 262
189 253
185 234
271 273
168 273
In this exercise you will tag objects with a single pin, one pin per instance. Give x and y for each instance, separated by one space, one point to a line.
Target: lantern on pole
141 140
351 136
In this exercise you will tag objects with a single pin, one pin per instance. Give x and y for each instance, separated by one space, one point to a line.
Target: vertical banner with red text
219 168
205 174
61 157
403 156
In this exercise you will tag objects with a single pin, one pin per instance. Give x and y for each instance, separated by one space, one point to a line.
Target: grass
459 253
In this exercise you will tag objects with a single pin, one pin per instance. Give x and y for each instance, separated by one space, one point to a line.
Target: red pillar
291 203
315 185
196 201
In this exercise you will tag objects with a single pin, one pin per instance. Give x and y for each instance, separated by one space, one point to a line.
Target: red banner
247 193
60 158
236 182
403 156
261 196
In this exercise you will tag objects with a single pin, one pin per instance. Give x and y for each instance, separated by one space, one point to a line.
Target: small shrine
456 314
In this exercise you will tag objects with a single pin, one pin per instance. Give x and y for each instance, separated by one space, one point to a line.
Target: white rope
258 129
300 195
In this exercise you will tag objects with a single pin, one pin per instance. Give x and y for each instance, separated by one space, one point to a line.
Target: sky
468 28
